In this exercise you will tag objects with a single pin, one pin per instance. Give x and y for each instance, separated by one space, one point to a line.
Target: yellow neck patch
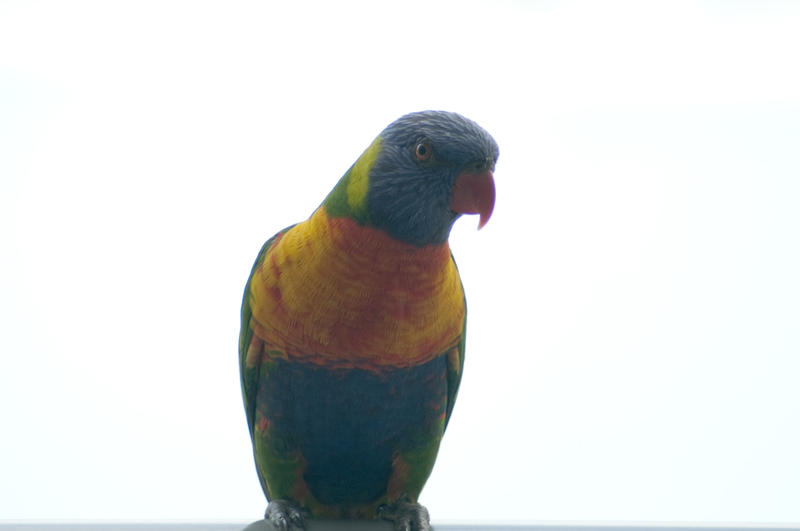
336 293
359 177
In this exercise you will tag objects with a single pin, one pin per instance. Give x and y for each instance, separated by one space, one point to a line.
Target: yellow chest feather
339 294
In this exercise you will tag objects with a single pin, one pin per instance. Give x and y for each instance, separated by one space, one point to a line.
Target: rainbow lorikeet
352 340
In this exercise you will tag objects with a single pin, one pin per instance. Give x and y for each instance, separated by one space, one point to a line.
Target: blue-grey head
419 175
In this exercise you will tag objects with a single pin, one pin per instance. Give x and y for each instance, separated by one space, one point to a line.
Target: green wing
455 363
249 375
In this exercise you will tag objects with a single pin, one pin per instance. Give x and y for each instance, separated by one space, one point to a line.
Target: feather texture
351 348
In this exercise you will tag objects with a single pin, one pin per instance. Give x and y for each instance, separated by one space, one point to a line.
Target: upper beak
473 193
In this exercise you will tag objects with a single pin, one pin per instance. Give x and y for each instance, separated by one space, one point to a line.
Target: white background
634 302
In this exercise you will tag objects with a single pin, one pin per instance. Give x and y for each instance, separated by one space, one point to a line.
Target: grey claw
285 515
406 515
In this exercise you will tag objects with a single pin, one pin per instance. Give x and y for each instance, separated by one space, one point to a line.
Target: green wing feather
249 376
456 367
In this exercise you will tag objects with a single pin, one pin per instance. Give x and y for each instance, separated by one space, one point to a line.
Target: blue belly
349 423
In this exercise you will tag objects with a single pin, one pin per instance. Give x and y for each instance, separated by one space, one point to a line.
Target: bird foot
406 515
285 515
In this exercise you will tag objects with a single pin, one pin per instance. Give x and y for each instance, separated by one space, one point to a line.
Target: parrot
351 347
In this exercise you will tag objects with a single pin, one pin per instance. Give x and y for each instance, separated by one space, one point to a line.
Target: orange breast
339 294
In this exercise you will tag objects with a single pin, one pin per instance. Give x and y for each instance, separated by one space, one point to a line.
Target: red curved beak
473 193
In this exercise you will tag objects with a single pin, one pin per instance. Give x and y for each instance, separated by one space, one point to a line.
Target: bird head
418 176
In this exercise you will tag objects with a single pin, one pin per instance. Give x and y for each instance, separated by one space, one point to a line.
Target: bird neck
362 247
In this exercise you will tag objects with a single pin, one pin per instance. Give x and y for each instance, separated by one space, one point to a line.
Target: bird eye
423 150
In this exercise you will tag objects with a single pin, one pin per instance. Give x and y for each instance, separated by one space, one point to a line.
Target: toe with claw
406 515
285 515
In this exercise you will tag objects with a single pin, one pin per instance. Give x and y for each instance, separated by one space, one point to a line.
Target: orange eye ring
423 150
